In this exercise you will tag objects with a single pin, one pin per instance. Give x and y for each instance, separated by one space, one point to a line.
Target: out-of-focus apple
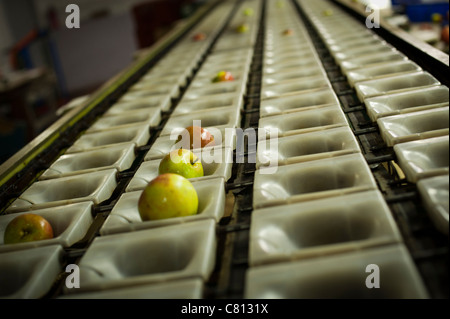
223 76
27 227
328 12
445 34
248 12
200 36
182 162
168 196
288 32
242 28
194 137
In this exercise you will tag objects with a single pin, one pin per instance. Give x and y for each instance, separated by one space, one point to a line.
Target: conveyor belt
341 198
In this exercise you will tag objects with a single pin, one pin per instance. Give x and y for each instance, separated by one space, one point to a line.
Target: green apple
168 196
248 12
182 162
223 76
242 28
27 227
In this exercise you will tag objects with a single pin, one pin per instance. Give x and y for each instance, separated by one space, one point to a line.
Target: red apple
288 32
199 36
168 196
223 76
27 227
196 137
182 162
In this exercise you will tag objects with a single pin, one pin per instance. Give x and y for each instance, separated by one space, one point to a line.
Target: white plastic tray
209 105
424 158
435 196
294 103
395 84
288 75
294 87
159 255
120 157
177 289
70 223
139 135
163 144
131 118
371 60
224 118
414 126
300 182
341 276
125 215
161 102
380 71
95 187
320 228
29 274
306 147
214 89
406 102
310 120
217 163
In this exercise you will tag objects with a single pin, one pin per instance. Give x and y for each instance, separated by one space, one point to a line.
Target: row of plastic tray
409 105
183 252
319 219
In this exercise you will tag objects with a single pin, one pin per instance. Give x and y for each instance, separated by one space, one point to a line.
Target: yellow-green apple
27 227
182 162
248 12
242 28
223 76
168 196
195 137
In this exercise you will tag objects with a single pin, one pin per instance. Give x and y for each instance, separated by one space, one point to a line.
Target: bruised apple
223 76
182 162
194 137
167 196
27 227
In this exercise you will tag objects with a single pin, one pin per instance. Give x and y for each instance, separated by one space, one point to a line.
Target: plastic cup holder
300 182
294 87
414 126
70 223
394 84
342 276
407 102
139 135
305 230
120 157
380 71
424 158
125 215
161 102
206 105
228 118
29 274
217 163
434 194
132 118
306 147
95 187
302 122
171 253
301 102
